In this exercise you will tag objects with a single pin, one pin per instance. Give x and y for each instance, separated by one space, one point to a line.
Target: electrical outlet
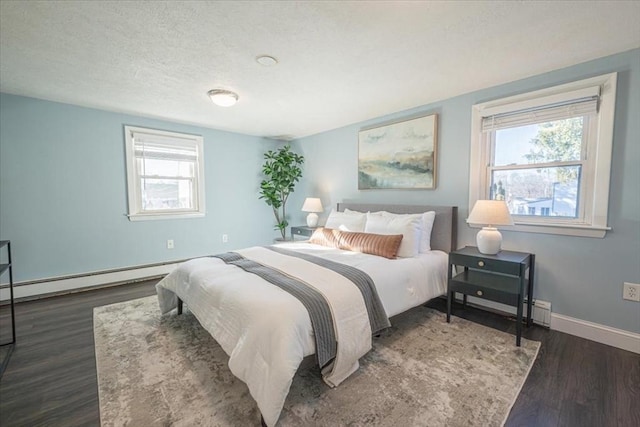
170 244
225 238
631 291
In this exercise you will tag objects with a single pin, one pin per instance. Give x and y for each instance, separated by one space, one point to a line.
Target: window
548 155
165 174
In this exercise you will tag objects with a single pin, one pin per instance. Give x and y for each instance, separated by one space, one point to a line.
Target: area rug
166 370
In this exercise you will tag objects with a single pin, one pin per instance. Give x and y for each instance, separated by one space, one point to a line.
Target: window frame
596 158
134 175
585 197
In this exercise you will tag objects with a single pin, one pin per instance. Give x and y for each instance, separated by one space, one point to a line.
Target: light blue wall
582 277
63 195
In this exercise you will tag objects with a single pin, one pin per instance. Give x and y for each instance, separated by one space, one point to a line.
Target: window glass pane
554 141
155 167
552 191
164 194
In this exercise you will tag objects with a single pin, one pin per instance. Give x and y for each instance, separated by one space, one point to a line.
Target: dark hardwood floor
51 376
573 382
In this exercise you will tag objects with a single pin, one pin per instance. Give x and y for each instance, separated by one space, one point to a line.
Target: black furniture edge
10 345
500 278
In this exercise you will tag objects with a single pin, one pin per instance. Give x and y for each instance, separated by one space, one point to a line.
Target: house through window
538 166
164 174
548 155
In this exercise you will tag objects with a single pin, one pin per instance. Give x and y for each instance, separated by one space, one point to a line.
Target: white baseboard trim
625 340
62 285
619 338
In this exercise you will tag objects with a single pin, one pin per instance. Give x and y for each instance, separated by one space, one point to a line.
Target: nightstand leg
532 268
519 325
449 293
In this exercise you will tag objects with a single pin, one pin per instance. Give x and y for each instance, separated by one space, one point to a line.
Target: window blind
579 103
156 147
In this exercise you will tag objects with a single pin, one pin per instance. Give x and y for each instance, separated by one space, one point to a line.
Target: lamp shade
312 205
490 213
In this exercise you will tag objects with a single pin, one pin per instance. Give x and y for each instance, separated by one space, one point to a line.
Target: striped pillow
385 245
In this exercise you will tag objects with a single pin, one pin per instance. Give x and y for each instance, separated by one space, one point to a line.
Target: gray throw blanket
315 303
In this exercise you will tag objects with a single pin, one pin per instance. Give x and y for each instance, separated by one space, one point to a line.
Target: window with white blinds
571 107
165 174
548 155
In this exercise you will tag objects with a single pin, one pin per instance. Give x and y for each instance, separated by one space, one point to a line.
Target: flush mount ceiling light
266 60
223 98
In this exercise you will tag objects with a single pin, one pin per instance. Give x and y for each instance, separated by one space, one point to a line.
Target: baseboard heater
45 288
541 314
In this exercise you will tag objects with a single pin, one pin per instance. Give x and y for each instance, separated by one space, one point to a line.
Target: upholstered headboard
444 235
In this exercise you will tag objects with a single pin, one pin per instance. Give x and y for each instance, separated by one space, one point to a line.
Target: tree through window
537 167
548 155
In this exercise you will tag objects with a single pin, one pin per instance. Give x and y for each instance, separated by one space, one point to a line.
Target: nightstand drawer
302 231
489 264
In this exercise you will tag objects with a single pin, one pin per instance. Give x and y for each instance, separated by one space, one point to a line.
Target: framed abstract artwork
399 155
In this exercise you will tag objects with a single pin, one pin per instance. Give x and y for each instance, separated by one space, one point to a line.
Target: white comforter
267 332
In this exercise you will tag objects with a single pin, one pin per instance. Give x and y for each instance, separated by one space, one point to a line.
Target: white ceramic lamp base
312 219
489 240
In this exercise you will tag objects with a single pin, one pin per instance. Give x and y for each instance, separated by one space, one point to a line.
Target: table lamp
312 205
490 213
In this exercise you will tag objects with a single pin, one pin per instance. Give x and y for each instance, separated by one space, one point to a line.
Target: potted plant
282 168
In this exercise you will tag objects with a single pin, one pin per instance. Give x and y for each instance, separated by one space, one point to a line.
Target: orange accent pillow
385 245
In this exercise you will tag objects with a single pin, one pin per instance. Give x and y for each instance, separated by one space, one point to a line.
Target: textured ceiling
339 62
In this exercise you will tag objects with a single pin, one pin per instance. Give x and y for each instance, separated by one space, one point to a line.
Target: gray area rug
158 370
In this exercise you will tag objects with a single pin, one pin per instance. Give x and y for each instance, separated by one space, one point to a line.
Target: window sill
559 229
156 216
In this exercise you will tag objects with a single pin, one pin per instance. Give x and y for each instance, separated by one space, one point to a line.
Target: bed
270 307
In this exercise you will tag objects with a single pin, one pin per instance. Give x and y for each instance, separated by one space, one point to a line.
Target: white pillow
427 226
350 212
408 225
346 221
